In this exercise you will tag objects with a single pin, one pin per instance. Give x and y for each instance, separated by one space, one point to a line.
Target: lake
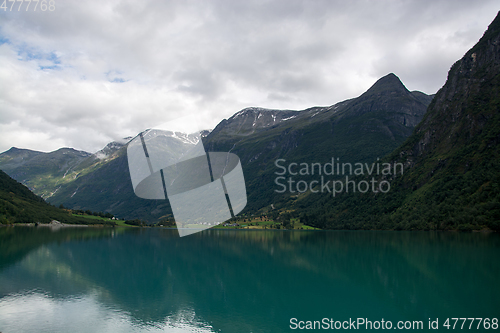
150 280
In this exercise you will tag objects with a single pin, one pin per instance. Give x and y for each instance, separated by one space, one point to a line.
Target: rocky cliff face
467 102
451 178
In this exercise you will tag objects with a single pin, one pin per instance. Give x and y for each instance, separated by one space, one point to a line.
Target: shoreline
57 225
53 224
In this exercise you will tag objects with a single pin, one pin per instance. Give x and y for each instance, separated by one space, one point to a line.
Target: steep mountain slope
359 129
19 205
108 188
451 178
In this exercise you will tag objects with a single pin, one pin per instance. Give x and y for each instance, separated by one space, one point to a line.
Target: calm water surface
150 280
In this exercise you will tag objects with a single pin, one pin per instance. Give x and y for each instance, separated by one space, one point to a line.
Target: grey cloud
124 66
199 82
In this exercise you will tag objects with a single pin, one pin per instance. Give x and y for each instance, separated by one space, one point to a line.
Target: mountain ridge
451 160
258 136
352 130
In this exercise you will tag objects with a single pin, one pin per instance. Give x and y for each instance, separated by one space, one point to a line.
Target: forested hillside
452 160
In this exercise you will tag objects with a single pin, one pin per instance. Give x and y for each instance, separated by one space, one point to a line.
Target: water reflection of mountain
258 280
17 242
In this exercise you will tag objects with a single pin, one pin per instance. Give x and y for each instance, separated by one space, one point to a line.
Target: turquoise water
150 280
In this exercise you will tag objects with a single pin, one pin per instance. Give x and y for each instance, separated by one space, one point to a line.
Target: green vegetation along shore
19 205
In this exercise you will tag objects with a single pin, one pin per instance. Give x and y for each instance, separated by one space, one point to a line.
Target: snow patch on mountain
110 149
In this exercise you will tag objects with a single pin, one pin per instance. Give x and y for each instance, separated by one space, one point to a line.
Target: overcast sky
90 72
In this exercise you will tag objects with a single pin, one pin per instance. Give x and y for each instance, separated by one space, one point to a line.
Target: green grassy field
255 223
120 223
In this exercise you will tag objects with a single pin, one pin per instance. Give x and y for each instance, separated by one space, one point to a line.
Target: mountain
451 178
43 173
358 129
387 97
19 205
252 119
47 173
